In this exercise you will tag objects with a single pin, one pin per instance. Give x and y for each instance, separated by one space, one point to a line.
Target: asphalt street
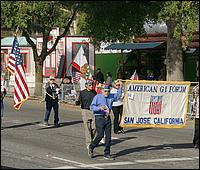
25 144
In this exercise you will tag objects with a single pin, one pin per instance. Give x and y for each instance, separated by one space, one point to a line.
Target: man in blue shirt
101 107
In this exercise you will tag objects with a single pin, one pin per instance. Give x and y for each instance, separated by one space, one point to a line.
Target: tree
41 16
111 21
181 17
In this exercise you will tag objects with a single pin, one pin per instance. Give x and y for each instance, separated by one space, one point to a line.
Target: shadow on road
6 167
137 129
62 124
21 125
156 147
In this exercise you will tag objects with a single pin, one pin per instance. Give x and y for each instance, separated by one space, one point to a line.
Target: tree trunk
174 55
38 78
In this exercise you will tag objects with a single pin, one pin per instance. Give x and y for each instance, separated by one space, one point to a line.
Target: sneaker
108 157
90 152
196 146
45 124
102 141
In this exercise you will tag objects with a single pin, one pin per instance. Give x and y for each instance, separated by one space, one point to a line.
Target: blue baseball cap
106 87
88 82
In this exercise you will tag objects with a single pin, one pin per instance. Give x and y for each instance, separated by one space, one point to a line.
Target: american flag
134 76
76 77
155 105
11 61
21 92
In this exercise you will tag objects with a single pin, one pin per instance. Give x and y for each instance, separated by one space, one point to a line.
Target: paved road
25 144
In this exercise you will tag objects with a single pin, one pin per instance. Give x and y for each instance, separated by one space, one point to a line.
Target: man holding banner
101 107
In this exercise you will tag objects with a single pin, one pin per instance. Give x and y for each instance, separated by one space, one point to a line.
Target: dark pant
196 132
117 111
49 106
103 125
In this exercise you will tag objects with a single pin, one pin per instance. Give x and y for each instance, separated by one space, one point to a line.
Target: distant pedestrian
3 94
150 75
52 92
109 79
117 106
85 98
99 76
195 92
101 107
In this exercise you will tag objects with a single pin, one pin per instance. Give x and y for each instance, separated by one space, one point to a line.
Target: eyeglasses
117 85
89 85
107 91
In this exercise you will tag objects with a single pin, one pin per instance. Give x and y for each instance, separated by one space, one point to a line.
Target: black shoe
122 131
108 157
196 146
90 152
57 125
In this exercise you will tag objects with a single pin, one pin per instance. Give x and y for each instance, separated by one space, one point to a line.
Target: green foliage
186 16
115 20
32 16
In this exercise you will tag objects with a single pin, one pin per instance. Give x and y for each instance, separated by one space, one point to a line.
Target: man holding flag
15 66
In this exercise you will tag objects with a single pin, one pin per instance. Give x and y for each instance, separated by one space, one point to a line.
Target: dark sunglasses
117 85
106 90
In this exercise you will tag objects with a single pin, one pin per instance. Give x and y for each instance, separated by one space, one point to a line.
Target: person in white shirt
117 106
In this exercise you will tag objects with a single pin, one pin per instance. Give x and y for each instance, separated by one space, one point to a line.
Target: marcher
195 92
86 96
101 107
99 76
3 94
98 88
109 79
52 92
117 106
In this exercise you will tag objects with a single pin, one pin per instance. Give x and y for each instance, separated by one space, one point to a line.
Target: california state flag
79 59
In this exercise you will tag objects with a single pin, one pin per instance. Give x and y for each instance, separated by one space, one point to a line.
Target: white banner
155 104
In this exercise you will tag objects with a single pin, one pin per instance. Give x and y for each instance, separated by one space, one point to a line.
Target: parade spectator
109 79
117 106
86 96
3 94
66 86
101 107
51 98
195 92
99 76
150 75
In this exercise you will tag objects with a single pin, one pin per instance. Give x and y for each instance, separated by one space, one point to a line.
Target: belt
105 116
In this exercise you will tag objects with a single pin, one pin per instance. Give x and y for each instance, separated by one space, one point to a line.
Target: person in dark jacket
85 98
52 92
99 76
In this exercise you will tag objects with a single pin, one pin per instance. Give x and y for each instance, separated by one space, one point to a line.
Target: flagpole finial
17 32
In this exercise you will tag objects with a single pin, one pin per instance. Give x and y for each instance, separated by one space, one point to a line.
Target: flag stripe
11 64
75 65
21 92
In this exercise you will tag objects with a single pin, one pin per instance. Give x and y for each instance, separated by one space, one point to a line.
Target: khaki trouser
86 115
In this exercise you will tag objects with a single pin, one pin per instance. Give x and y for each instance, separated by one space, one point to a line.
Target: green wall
190 68
108 63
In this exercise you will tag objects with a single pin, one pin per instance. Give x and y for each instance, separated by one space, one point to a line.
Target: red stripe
16 96
20 88
75 65
22 78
